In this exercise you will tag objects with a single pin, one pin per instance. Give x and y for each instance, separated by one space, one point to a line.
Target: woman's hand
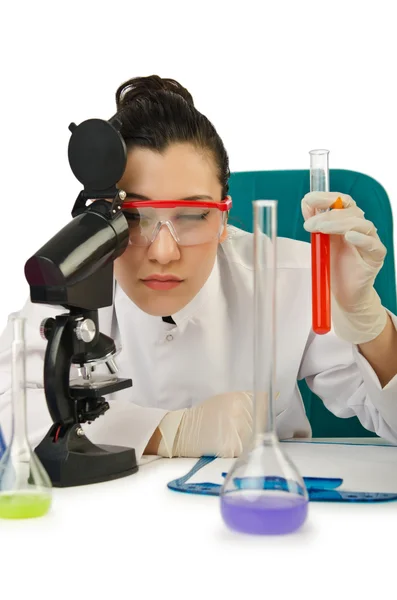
219 426
357 255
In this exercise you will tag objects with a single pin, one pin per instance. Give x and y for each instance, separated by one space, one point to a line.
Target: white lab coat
210 351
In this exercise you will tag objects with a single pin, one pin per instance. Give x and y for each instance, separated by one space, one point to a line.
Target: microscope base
73 460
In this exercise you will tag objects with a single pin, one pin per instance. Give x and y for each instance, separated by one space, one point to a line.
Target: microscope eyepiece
75 267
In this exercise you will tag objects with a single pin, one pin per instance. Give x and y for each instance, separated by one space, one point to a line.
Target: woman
183 293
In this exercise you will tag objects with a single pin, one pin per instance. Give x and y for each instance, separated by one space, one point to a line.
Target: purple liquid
272 514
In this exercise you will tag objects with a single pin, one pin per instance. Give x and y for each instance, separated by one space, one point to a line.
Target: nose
164 248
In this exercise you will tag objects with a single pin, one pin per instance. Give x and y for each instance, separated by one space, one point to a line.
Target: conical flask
263 492
25 488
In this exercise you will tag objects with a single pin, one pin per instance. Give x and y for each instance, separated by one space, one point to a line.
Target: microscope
74 270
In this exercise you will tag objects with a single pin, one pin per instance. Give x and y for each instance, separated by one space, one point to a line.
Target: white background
276 78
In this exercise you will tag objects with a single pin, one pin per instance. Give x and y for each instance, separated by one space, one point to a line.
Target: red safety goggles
190 222
223 205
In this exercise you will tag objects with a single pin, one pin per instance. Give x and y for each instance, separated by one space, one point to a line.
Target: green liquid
20 505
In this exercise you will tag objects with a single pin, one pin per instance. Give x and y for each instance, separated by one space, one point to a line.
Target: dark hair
156 112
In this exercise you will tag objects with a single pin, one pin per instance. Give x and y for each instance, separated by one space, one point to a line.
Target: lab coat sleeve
345 381
124 424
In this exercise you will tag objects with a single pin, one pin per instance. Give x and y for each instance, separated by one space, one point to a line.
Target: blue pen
2 444
311 483
320 489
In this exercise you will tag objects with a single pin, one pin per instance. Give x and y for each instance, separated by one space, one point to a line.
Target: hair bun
138 87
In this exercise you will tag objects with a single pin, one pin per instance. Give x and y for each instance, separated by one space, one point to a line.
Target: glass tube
320 246
263 493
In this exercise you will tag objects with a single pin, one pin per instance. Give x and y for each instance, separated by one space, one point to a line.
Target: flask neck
19 425
265 439
263 415
18 394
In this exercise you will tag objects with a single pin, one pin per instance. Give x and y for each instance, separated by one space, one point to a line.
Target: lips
162 278
162 282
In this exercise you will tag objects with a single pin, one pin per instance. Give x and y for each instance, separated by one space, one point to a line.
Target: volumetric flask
263 492
25 488
320 246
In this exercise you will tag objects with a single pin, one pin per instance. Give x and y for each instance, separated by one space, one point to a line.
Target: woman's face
180 172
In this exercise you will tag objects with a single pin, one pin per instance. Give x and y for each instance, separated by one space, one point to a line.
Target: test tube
320 248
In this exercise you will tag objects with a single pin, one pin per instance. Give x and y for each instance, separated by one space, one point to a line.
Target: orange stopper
338 203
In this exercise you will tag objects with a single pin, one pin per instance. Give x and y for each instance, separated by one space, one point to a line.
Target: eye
193 217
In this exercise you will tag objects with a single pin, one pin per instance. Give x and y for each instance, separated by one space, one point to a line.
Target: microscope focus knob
85 330
46 327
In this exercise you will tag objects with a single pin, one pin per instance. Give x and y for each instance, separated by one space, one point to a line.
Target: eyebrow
195 197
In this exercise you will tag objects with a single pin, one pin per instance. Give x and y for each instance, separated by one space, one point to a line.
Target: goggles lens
189 226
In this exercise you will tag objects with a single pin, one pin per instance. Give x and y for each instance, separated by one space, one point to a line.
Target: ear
223 235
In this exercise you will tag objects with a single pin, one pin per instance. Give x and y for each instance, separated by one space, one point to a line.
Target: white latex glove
219 426
357 255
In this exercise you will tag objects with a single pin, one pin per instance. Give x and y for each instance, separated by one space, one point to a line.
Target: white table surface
133 537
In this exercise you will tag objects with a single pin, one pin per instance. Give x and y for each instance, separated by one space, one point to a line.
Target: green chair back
288 188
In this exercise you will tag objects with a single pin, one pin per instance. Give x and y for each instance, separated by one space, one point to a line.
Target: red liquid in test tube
321 283
320 243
